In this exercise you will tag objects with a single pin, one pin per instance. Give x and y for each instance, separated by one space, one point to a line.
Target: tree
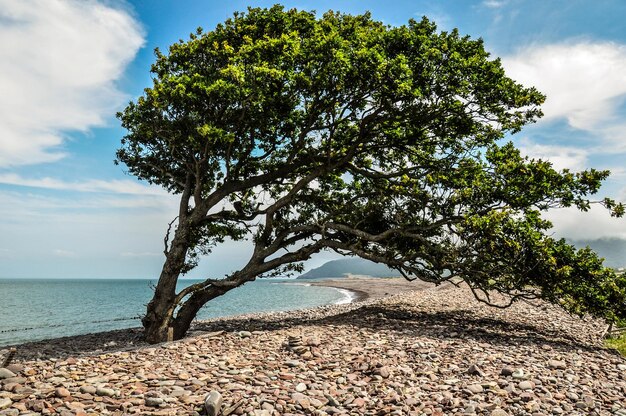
339 133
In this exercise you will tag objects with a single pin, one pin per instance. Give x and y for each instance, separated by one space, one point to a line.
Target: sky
67 211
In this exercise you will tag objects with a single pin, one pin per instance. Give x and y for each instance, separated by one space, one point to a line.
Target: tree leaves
304 133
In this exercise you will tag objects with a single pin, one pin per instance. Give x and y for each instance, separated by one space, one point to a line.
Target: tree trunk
190 308
160 309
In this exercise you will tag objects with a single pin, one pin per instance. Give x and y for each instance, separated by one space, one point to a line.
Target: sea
38 309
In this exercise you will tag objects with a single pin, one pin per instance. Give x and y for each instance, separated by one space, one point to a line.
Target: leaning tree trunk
160 309
189 309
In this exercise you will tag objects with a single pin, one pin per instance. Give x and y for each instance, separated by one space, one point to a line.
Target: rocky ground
431 352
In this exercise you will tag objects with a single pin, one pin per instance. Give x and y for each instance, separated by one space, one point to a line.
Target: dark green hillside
342 267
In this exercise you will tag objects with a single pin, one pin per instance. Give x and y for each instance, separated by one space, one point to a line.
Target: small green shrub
617 343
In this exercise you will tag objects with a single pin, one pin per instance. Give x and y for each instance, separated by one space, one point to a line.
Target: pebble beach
401 349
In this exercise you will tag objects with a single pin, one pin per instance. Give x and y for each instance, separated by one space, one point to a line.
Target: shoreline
434 351
361 289
366 288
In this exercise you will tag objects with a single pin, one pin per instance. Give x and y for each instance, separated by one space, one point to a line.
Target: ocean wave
348 297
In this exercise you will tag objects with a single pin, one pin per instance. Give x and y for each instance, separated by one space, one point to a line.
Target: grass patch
617 343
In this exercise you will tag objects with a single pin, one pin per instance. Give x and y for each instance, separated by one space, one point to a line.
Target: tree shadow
449 325
457 324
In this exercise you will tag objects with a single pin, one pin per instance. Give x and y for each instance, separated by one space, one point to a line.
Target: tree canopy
303 133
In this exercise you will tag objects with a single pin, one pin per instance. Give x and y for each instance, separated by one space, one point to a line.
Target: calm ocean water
40 309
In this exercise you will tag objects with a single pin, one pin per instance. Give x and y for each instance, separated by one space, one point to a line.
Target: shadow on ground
457 324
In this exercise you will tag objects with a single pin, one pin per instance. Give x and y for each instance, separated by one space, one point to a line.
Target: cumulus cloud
562 157
93 185
584 81
60 61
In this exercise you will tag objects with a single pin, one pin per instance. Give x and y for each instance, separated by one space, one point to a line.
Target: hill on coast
612 249
342 267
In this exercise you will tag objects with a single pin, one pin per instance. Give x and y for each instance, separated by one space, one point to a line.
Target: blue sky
68 65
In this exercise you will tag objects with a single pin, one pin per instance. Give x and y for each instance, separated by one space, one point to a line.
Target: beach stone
475 388
301 399
5 402
383 372
518 374
62 392
88 389
475 370
430 373
103 391
245 334
561 365
526 385
15 367
154 401
293 363
213 403
300 387
6 373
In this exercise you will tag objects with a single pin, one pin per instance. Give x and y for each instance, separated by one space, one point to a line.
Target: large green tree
303 133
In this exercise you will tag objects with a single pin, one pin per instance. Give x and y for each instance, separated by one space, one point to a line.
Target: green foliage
304 133
617 343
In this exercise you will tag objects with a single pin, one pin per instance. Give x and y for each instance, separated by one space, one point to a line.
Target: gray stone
154 401
213 403
475 388
518 374
245 334
560 365
6 373
293 363
16 368
499 412
102 391
507 371
527 396
5 402
475 370
526 385
88 389
300 387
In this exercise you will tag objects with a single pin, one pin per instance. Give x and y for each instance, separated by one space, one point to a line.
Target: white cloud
562 157
593 224
93 185
584 81
494 4
60 61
